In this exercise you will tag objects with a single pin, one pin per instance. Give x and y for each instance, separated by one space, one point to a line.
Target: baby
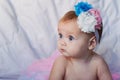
78 36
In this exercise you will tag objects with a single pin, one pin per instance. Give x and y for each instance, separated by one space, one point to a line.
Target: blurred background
28 32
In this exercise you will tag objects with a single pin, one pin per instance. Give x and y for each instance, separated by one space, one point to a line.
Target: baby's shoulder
61 60
98 60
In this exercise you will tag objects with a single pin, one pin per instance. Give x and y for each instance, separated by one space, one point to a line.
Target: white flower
87 22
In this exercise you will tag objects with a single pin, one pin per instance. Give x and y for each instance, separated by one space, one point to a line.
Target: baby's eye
71 38
60 35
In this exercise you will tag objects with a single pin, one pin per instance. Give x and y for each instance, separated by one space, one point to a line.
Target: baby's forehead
69 23
70 28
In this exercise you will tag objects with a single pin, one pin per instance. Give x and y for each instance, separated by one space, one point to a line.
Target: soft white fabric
28 31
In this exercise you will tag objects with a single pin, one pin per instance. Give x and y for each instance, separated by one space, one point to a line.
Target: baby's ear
92 43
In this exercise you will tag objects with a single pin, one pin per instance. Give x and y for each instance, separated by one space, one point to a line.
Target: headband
89 19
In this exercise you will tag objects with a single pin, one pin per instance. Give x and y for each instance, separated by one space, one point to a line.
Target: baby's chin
63 52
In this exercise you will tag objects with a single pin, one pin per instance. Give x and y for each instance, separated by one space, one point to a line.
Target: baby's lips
62 50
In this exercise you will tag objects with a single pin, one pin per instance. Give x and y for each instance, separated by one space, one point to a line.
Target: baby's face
71 42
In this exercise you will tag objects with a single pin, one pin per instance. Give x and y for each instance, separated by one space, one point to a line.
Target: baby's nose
63 43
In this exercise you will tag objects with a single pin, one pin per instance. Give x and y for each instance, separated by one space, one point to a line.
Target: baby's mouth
62 50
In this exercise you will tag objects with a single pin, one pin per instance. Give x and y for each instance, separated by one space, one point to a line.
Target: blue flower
82 7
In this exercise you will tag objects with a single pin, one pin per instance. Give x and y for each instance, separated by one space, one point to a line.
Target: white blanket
28 31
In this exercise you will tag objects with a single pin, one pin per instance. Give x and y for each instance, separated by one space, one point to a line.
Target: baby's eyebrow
58 29
72 35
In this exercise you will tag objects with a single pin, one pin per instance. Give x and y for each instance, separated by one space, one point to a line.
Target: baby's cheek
73 48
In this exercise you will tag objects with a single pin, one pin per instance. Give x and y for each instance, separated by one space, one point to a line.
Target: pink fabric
40 69
98 18
116 76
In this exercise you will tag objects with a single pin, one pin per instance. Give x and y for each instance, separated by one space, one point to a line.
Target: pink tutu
40 69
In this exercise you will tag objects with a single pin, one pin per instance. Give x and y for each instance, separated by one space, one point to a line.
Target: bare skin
93 69
78 61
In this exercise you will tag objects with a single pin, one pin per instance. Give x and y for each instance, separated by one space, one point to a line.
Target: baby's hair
71 15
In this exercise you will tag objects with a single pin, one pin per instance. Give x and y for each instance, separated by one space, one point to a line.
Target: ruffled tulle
40 69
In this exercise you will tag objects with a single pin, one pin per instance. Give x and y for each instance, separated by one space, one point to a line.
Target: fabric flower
89 19
87 22
82 7
97 17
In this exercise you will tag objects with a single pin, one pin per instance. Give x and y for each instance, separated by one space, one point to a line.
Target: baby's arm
58 69
103 70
